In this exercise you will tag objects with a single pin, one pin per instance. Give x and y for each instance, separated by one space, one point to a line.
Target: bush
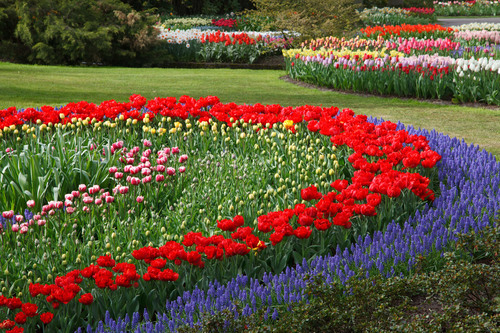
418 3
105 31
311 18
375 3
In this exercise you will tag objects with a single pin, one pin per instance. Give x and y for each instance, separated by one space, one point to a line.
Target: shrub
375 3
311 18
105 31
418 3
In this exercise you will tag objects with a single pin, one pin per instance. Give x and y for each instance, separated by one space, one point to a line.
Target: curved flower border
470 200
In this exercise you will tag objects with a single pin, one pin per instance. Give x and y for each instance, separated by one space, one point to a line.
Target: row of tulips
458 47
422 77
407 31
394 16
214 45
467 8
382 160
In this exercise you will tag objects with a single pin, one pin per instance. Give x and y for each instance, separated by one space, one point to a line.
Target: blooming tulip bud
30 203
140 199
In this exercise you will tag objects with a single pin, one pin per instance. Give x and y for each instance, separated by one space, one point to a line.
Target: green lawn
30 86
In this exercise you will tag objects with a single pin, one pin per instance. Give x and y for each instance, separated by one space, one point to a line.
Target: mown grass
31 86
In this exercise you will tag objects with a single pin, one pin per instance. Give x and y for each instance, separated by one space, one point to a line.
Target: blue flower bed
469 200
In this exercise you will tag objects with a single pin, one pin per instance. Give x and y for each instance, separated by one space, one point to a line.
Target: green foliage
375 3
418 3
311 18
8 19
462 297
104 31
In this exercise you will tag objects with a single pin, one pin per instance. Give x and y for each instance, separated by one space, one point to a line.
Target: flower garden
153 214
460 64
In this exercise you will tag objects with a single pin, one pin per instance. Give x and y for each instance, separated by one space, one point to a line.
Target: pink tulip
118 175
59 204
161 160
144 159
113 169
24 229
75 194
160 178
135 181
68 197
167 151
52 212
98 201
41 222
160 168
86 209
31 222
30 203
88 200
70 210
123 189
146 172
8 214
130 160
15 227
170 171
175 150
182 169
146 153
140 199
126 169
147 143
37 217
19 218
183 158
82 187
110 199
68 203
147 179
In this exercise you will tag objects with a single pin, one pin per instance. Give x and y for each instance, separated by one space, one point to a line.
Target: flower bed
395 16
156 197
467 8
215 46
412 61
469 200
